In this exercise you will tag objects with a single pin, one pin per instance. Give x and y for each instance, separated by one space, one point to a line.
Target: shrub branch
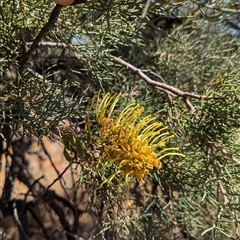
44 31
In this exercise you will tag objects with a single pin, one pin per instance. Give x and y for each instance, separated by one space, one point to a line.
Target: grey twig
47 44
164 86
225 153
35 74
18 222
191 107
14 205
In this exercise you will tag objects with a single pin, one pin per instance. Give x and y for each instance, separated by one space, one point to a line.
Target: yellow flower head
134 146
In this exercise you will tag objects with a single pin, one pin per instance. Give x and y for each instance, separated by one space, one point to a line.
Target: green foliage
196 197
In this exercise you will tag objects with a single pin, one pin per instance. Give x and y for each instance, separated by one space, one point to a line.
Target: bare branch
14 205
56 179
47 44
37 189
225 153
164 86
191 107
224 193
60 177
35 74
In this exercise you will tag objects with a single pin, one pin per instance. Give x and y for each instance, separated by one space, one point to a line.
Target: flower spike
134 146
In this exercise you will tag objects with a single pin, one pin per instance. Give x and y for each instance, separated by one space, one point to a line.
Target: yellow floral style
134 146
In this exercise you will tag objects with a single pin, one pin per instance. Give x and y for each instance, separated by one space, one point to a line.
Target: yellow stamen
133 146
